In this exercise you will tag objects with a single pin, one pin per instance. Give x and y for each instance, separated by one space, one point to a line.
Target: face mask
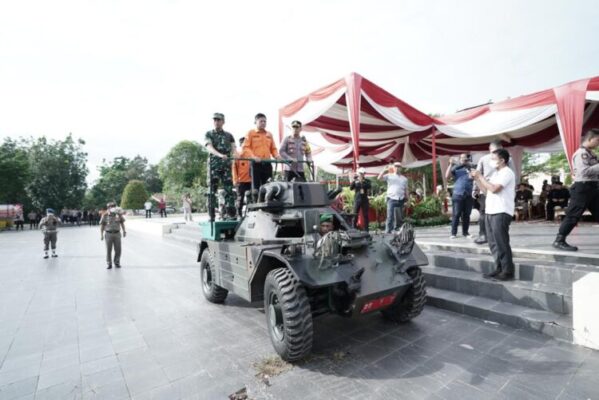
493 164
112 210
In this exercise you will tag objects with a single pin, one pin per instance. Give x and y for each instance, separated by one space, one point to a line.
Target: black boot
560 244
492 274
505 276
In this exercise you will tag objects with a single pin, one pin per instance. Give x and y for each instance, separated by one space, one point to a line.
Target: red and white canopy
354 122
534 122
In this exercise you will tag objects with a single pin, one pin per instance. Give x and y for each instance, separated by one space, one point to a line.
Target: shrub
134 195
348 200
431 221
379 205
428 208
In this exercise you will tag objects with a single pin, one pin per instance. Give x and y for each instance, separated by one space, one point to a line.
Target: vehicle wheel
412 303
288 315
211 290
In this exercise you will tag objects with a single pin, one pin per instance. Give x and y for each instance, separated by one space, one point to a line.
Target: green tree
115 175
134 195
57 173
532 163
184 165
553 164
556 163
152 180
14 167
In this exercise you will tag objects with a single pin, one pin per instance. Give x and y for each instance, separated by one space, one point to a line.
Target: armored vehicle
278 253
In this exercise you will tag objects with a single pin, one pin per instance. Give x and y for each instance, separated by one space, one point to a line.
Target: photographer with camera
461 198
362 187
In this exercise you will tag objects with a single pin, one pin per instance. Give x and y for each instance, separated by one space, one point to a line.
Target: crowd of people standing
73 217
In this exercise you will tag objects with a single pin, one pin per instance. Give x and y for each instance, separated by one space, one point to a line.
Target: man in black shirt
362 187
523 199
558 197
523 193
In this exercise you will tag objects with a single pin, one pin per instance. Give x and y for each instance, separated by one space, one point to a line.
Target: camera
469 166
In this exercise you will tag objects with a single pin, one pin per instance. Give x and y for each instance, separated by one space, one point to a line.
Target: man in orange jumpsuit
260 145
241 178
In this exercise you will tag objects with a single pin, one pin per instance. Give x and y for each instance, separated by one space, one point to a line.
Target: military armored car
278 254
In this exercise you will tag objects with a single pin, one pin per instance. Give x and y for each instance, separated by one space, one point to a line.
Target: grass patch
269 367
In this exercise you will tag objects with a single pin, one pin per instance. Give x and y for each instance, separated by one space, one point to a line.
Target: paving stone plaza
70 329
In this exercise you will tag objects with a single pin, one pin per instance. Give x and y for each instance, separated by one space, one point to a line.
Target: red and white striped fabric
534 122
354 122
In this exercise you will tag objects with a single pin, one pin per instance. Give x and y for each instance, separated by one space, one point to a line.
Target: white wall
585 298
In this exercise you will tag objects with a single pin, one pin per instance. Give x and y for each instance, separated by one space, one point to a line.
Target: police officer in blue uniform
584 193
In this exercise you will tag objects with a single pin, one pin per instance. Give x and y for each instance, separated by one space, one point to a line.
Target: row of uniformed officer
584 193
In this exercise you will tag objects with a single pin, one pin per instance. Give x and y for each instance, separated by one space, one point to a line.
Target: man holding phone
397 193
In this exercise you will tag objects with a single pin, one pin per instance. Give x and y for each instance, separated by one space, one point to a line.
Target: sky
136 77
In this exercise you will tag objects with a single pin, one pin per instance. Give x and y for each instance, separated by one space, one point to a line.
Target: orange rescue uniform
241 170
260 144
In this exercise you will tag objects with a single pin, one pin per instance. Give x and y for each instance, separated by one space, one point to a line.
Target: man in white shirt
486 170
148 208
499 210
397 193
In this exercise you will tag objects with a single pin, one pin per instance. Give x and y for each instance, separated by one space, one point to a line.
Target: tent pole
434 161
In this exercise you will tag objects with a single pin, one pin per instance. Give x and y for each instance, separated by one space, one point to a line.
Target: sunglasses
296 126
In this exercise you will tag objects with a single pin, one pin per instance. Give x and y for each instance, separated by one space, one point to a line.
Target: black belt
112 231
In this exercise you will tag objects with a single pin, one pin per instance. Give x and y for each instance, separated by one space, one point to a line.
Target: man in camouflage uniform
221 146
584 193
110 229
49 225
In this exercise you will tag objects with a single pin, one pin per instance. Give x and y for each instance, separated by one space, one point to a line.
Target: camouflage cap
218 116
328 217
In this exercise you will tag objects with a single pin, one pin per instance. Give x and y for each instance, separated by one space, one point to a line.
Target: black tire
212 292
412 303
288 315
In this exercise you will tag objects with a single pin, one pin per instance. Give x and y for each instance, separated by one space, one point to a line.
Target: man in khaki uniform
49 226
110 227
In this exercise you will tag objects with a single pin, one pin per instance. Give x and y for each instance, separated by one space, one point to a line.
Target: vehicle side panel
233 273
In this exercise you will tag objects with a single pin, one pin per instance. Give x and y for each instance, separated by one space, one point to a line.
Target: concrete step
192 227
576 258
556 325
545 272
548 297
184 237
